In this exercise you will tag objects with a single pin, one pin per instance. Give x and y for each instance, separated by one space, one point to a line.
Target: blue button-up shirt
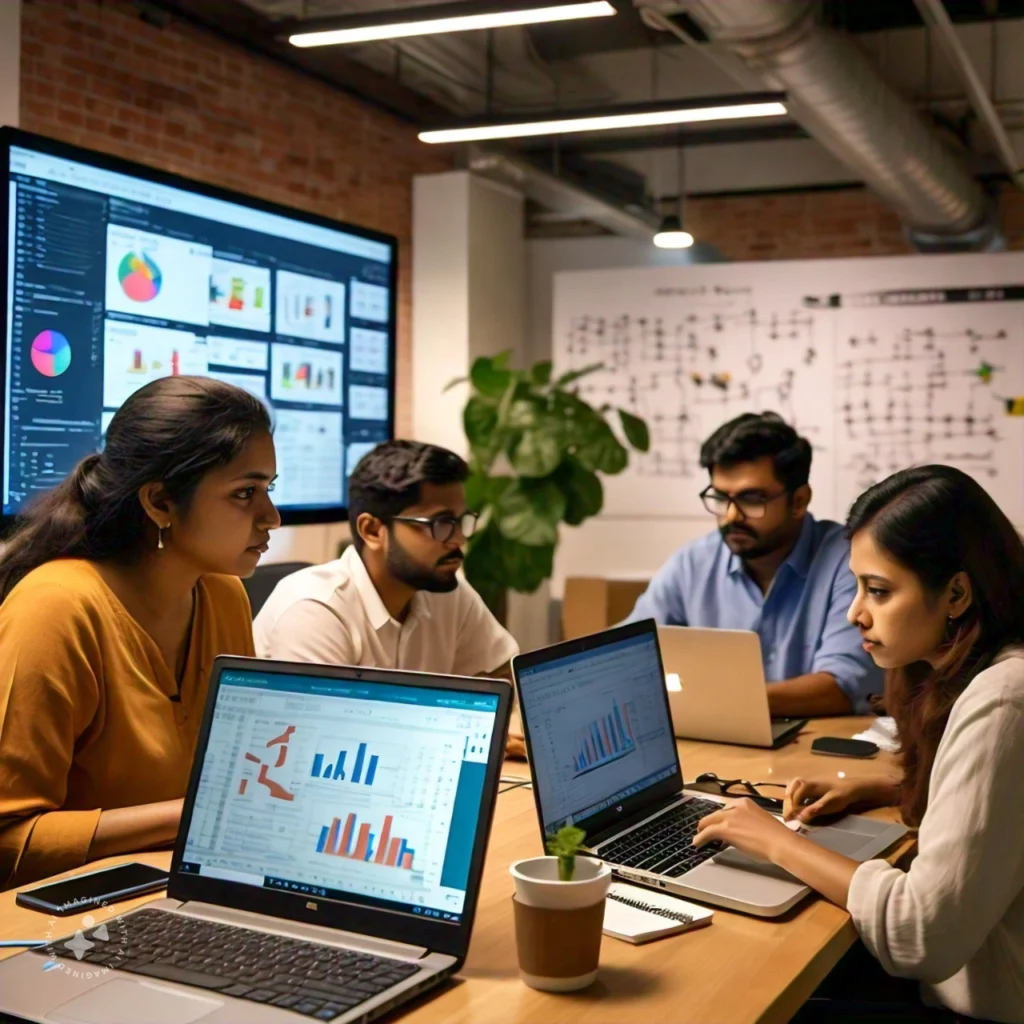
801 620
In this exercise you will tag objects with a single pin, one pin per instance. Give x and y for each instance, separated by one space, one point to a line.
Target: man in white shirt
394 599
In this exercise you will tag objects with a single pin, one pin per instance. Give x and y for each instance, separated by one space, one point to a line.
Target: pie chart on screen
51 353
140 277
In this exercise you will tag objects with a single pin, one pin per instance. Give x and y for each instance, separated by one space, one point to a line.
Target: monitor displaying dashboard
115 274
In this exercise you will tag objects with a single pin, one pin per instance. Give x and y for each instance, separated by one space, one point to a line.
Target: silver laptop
327 866
603 757
716 687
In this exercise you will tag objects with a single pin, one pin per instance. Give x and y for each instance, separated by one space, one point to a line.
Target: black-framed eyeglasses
749 504
709 782
442 528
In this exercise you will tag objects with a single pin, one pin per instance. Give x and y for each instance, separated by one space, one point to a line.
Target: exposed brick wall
818 225
799 225
94 74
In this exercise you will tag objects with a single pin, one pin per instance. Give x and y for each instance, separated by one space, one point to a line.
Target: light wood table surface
739 970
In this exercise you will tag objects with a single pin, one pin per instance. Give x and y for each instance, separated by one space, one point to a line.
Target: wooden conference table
740 969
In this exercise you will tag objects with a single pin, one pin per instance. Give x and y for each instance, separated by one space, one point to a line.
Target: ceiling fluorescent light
681 113
446 18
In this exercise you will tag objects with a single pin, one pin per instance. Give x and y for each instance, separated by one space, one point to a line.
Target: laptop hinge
304 932
633 819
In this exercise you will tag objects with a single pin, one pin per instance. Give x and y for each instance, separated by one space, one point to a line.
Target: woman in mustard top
119 588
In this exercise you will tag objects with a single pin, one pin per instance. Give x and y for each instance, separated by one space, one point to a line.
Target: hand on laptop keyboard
664 845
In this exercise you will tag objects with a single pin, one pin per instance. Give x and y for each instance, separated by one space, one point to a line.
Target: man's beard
762 545
405 569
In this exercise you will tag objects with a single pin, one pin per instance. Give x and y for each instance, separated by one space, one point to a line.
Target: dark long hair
172 431
937 521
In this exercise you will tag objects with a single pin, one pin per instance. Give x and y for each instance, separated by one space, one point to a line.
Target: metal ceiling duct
557 194
844 103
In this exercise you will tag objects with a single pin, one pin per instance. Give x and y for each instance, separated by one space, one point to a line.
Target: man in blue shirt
772 568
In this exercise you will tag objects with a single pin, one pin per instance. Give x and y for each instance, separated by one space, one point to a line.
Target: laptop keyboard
322 982
663 845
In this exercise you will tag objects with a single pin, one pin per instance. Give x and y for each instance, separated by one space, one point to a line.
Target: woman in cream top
940 604
119 589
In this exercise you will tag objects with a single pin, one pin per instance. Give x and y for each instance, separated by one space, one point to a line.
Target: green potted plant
559 914
564 845
537 451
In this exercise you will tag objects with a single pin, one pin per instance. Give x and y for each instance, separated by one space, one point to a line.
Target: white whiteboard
881 363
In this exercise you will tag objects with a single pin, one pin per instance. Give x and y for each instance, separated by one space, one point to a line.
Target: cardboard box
591 603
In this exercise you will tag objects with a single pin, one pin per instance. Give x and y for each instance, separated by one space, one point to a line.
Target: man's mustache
728 531
455 556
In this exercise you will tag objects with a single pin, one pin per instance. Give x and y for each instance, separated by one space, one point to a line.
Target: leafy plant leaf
566 842
635 430
455 382
583 491
541 373
476 490
494 563
526 566
483 566
523 414
496 487
479 420
530 512
604 453
574 375
537 453
489 378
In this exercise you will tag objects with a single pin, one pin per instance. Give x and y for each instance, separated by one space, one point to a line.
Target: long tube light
443 18
718 109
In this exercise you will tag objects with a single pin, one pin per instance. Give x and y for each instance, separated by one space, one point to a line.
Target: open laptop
716 687
327 866
603 757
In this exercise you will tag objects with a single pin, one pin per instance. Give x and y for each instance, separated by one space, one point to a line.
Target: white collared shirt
332 614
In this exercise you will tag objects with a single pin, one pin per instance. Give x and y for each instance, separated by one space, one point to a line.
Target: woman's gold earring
160 537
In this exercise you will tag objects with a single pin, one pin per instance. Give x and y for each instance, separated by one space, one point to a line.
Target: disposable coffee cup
559 924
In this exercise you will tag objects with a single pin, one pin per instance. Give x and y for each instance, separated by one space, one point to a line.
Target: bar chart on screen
362 842
355 794
604 740
335 770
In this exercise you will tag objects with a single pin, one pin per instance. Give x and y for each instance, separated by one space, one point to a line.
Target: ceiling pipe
935 16
839 97
556 194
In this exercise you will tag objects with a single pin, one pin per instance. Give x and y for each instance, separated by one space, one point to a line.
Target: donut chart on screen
139 276
51 353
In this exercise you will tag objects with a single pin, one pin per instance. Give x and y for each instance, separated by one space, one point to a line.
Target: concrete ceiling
620 60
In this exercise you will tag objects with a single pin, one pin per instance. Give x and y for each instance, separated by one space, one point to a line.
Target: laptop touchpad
125 1001
840 840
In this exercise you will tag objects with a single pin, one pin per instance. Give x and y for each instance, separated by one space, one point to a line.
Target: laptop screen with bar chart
597 722
365 793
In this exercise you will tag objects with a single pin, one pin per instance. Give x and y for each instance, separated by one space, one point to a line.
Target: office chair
262 582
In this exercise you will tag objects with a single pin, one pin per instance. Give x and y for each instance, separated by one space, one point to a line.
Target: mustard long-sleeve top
87 719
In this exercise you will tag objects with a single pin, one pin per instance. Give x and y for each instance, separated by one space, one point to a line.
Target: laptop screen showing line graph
366 793
599 729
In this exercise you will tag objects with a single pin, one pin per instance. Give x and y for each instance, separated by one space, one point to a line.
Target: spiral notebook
639 915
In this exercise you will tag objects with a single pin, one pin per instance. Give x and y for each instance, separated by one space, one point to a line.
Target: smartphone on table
93 889
834 746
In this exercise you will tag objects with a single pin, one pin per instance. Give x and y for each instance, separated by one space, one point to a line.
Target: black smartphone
834 746
108 885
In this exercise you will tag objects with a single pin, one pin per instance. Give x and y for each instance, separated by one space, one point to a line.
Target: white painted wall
10 61
468 291
613 546
469 300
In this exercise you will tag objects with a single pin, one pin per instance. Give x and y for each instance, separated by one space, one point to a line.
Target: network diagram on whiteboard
686 376
876 380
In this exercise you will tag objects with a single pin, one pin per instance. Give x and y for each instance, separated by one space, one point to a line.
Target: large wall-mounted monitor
114 274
